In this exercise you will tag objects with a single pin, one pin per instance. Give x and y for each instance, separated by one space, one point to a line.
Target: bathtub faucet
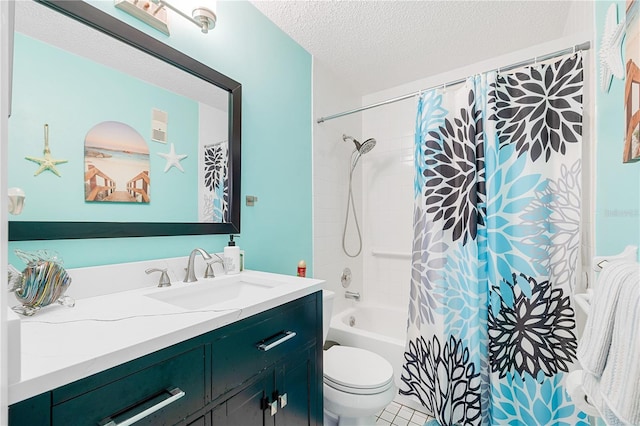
352 295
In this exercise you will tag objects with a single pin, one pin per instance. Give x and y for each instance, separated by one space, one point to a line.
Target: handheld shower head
362 148
367 145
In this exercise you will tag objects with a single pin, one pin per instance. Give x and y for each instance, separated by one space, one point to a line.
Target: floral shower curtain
213 192
491 331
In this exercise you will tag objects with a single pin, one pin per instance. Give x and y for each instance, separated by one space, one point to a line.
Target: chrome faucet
352 295
208 273
165 281
190 277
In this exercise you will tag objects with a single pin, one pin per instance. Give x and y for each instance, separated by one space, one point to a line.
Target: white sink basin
204 293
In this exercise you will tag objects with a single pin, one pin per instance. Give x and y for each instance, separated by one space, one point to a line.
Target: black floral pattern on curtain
443 379
531 334
216 176
454 184
540 111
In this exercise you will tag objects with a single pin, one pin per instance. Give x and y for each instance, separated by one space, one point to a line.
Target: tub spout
352 295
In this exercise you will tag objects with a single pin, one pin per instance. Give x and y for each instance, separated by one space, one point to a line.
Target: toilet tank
327 309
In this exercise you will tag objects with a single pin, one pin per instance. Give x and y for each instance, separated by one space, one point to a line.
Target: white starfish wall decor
46 163
611 61
173 159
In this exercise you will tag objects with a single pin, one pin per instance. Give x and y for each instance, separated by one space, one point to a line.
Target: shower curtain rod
583 46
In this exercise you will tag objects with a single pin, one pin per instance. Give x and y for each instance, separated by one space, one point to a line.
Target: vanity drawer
238 354
142 392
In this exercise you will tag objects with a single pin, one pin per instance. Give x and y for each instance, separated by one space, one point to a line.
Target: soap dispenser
232 257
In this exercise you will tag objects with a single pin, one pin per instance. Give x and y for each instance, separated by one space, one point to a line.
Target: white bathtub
379 329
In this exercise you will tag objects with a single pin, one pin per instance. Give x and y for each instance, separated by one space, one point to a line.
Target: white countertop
60 345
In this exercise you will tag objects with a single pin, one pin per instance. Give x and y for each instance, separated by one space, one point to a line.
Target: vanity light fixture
203 17
154 13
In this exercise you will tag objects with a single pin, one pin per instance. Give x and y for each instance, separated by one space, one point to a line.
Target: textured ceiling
374 45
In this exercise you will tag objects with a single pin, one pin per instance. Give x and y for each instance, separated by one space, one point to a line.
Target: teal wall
119 97
275 73
617 216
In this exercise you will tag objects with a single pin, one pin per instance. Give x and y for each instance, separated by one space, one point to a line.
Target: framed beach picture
116 164
632 83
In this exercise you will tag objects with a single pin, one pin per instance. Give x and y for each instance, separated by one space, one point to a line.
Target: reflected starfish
611 61
173 159
46 163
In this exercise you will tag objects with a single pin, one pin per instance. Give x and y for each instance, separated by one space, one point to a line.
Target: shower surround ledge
60 345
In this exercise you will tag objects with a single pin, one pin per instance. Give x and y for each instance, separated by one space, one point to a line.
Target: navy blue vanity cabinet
231 376
294 379
285 394
283 347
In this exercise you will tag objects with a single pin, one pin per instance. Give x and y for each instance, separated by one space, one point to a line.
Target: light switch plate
251 200
148 12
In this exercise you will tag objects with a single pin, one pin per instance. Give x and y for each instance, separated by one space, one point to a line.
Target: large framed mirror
148 139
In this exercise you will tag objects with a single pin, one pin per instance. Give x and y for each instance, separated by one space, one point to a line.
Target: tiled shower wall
331 156
387 183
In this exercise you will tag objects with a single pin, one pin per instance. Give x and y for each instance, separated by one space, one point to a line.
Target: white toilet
357 383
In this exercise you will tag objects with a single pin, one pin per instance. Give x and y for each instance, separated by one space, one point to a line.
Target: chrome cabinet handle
176 394
272 406
271 343
283 400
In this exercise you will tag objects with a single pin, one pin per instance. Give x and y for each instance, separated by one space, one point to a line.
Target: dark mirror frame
101 21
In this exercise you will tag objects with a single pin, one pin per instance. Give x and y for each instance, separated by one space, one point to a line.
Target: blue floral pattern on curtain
496 247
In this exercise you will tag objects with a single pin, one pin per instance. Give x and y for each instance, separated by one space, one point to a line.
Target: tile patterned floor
396 414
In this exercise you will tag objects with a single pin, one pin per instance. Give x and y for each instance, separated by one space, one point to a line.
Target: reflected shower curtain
491 332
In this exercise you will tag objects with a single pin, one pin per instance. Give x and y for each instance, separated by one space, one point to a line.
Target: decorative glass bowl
42 282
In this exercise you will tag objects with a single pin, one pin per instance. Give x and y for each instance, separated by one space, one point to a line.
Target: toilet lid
356 369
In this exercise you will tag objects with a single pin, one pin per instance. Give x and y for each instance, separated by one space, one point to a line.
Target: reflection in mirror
134 144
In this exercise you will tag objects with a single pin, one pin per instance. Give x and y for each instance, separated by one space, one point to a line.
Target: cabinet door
246 407
295 379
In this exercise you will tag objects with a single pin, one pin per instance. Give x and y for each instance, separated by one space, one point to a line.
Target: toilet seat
356 371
